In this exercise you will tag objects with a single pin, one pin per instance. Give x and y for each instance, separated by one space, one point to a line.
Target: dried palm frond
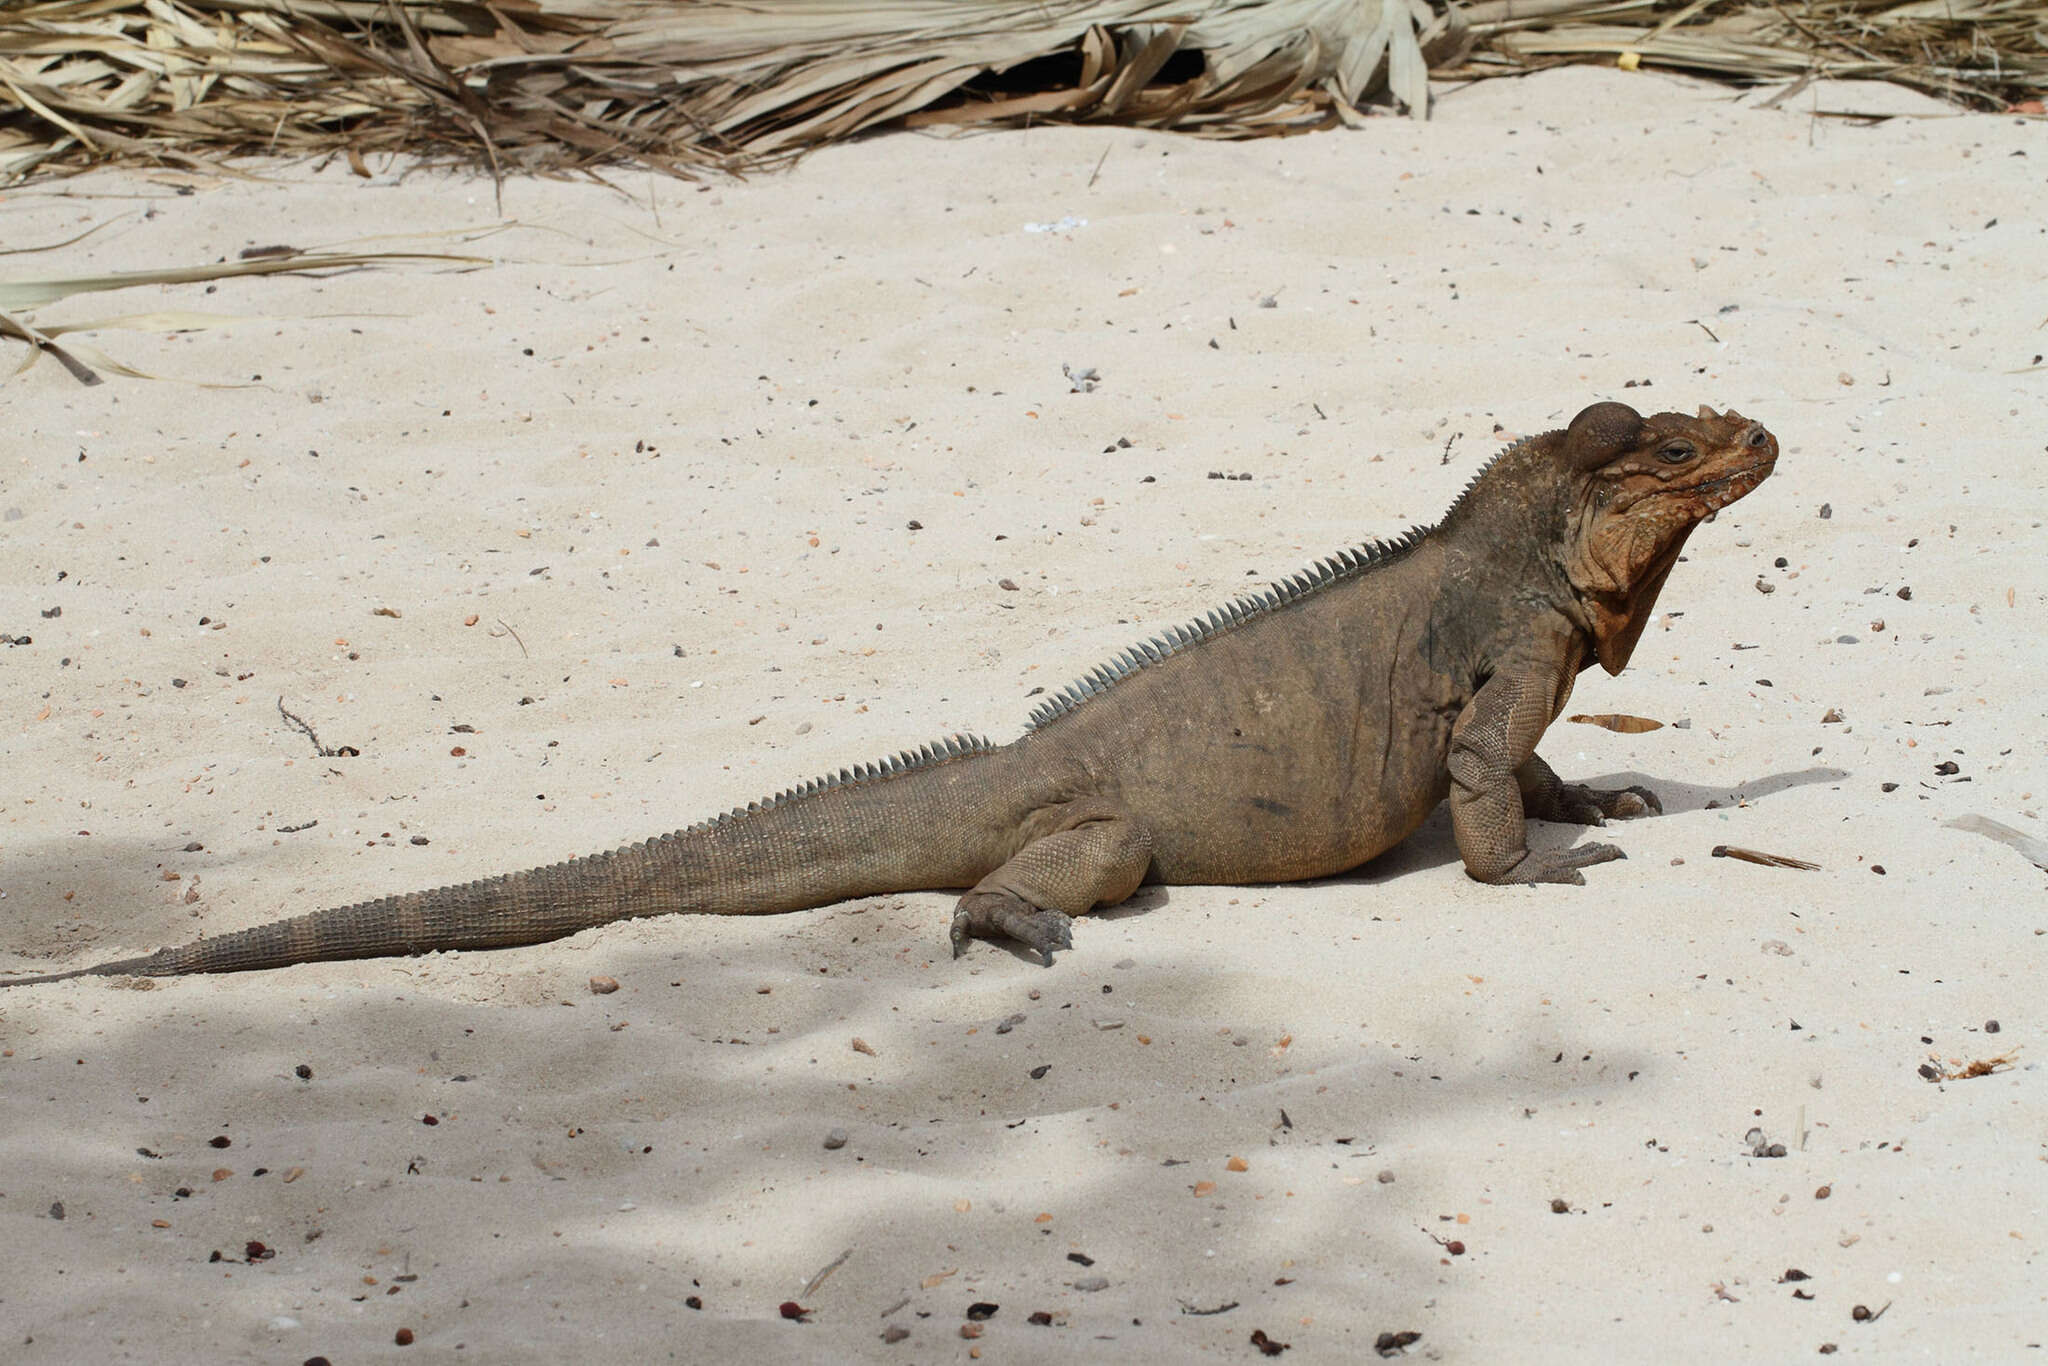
734 84
1986 54
19 297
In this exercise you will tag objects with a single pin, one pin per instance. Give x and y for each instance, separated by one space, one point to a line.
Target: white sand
664 453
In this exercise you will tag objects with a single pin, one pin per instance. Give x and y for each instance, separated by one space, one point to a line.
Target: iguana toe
1005 915
1562 865
1632 802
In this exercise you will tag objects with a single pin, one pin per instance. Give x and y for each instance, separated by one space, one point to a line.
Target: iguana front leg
1547 797
1493 764
1096 857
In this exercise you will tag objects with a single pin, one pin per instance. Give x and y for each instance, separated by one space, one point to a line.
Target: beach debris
1270 1346
1955 1069
1237 1164
981 1311
1080 1259
835 1139
1041 1318
1760 1144
1395 1344
790 1309
1199 1312
1009 1023
2031 847
1081 380
860 1045
894 1333
1090 1284
938 1278
1619 722
811 1286
1758 856
603 986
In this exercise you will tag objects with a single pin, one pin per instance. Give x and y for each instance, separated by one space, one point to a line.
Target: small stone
1386 1177
895 1332
835 1139
1991 1026
1092 1283
603 986
1560 1207
970 1330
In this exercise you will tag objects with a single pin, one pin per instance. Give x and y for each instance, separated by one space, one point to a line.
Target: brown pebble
895 1332
1991 1026
603 986
1560 1207
970 1330
1860 1313
1455 1248
403 1337
1824 1192
863 1046
221 1173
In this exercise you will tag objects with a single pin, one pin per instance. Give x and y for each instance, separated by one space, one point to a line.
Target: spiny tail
900 825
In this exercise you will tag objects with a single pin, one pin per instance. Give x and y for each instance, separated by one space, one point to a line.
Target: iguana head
1643 484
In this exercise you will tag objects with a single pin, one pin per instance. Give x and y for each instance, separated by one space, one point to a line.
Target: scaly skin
1293 735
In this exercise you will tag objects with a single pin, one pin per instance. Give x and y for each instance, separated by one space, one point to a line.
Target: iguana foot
1577 804
1560 865
1005 915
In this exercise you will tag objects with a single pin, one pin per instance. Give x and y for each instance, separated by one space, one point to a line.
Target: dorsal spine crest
1345 564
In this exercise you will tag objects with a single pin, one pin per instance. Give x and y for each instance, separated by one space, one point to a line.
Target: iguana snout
1648 481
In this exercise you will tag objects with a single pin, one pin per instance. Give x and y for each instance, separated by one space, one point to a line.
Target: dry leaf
1619 722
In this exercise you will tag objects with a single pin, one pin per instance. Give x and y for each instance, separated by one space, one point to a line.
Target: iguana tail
922 819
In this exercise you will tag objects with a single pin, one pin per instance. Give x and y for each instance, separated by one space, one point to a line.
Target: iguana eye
1675 454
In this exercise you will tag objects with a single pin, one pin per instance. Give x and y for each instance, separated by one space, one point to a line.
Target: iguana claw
1562 865
1005 915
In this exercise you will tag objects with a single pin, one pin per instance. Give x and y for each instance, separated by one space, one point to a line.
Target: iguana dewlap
1293 734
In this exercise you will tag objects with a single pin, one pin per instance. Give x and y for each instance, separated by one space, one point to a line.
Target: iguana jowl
1290 735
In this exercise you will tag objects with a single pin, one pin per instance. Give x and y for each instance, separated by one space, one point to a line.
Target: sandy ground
616 532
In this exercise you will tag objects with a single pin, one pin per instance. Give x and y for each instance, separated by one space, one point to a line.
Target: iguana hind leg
1547 797
1097 857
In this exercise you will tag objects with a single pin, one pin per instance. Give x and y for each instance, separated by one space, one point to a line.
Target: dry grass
563 84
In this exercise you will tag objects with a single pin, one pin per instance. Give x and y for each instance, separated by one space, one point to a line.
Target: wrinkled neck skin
1622 555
